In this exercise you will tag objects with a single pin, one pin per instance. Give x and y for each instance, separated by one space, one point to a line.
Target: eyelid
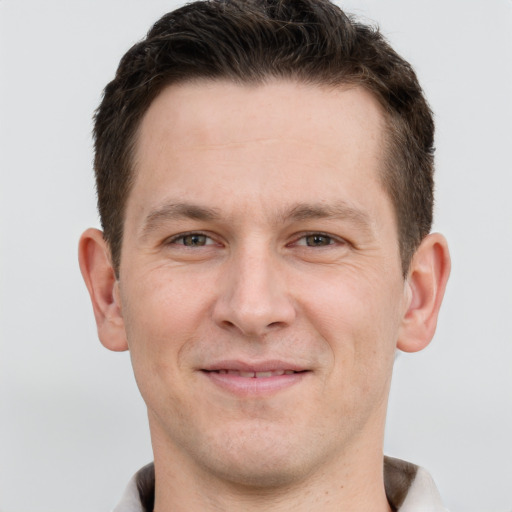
336 239
174 238
299 236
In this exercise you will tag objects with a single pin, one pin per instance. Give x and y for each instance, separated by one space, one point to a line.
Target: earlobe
426 282
100 279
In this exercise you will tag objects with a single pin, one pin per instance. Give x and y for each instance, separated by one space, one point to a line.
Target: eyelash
182 236
332 239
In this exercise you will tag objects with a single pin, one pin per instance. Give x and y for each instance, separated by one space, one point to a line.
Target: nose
254 298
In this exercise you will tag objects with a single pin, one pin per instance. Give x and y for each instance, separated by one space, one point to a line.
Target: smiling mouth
253 380
255 375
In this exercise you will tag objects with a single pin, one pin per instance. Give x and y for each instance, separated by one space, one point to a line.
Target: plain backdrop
72 425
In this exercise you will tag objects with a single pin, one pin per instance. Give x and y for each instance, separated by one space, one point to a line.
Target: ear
100 279
426 282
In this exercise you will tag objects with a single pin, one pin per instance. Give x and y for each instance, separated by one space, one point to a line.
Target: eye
316 240
192 240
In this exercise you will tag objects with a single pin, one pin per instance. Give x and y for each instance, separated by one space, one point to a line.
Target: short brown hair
250 41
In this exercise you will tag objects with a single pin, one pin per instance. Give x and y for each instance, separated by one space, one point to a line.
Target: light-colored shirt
409 488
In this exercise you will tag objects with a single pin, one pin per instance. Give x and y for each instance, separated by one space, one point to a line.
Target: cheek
159 324
162 313
164 301
358 316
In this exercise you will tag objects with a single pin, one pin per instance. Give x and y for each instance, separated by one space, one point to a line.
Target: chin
262 459
262 475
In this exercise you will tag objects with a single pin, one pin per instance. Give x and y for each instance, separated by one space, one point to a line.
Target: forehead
222 112
282 140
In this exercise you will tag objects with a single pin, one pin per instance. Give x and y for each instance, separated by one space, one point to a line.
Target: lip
227 376
254 366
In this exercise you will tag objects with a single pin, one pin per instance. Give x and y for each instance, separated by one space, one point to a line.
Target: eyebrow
176 211
338 210
300 212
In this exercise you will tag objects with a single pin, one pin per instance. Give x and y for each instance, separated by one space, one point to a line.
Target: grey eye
195 240
318 240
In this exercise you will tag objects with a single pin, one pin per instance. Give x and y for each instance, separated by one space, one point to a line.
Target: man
264 177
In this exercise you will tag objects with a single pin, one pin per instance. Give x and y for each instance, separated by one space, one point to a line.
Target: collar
409 488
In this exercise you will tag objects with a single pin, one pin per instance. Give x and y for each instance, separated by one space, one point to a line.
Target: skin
258 236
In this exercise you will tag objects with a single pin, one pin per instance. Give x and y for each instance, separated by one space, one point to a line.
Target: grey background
72 425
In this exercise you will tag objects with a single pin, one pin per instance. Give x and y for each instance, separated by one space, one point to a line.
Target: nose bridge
254 298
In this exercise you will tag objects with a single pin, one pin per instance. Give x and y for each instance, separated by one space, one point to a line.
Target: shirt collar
409 488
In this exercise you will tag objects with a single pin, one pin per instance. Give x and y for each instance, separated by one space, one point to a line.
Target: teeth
258 375
263 374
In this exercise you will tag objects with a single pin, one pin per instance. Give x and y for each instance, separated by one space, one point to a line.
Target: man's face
260 278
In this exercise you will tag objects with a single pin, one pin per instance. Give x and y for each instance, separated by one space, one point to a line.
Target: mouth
254 380
255 374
